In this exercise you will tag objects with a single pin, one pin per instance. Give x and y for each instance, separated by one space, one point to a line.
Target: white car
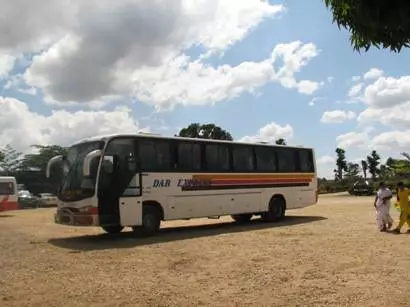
48 200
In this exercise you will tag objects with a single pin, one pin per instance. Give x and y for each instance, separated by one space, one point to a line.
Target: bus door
130 206
121 187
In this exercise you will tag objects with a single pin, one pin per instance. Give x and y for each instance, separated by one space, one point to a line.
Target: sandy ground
330 254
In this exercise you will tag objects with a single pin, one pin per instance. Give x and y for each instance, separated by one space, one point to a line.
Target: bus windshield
75 187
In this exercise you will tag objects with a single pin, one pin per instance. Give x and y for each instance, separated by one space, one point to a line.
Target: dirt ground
330 254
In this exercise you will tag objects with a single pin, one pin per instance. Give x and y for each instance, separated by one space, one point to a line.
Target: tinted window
265 159
286 160
6 188
189 156
242 158
155 155
217 157
306 161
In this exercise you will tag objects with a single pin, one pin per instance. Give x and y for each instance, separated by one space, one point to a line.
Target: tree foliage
40 159
373 160
352 171
280 141
205 131
11 161
373 22
365 167
341 163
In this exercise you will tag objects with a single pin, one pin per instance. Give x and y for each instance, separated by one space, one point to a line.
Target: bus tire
151 221
112 229
277 208
241 218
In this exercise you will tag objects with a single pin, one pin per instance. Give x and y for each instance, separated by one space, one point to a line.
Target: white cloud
21 127
392 141
270 133
107 47
373 73
337 116
388 102
330 79
6 64
353 140
355 90
387 92
397 117
166 86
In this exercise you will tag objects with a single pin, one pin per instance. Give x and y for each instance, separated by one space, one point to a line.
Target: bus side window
242 159
6 188
306 161
217 157
155 155
286 160
189 156
265 159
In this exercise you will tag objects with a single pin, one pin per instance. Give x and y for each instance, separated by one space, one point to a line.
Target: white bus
143 179
8 194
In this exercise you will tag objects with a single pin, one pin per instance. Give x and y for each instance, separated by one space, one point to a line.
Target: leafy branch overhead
373 22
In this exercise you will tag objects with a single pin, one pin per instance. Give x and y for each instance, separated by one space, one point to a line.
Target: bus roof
106 137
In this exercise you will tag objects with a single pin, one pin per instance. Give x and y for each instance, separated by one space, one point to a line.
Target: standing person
382 205
403 199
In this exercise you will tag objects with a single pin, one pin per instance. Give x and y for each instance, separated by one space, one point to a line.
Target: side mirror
87 161
51 162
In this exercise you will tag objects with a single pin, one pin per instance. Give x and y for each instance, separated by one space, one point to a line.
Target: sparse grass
330 254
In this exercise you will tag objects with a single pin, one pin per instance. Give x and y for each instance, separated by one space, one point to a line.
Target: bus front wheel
151 222
277 208
112 229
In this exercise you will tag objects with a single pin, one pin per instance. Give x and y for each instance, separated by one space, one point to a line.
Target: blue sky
71 96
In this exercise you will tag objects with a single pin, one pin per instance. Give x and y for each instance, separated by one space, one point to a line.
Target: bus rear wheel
112 229
151 222
277 208
241 218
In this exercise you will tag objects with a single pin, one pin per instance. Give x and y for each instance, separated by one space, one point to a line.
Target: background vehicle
48 200
139 180
28 200
8 194
362 187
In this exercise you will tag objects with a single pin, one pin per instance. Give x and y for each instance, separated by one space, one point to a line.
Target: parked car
27 200
362 188
48 200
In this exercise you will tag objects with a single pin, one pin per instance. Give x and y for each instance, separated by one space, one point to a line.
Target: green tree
280 141
11 161
385 172
365 167
373 23
398 167
41 158
205 131
373 160
1 156
341 164
352 171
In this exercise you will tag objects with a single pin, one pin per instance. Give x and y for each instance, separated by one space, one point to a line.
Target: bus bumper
70 218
